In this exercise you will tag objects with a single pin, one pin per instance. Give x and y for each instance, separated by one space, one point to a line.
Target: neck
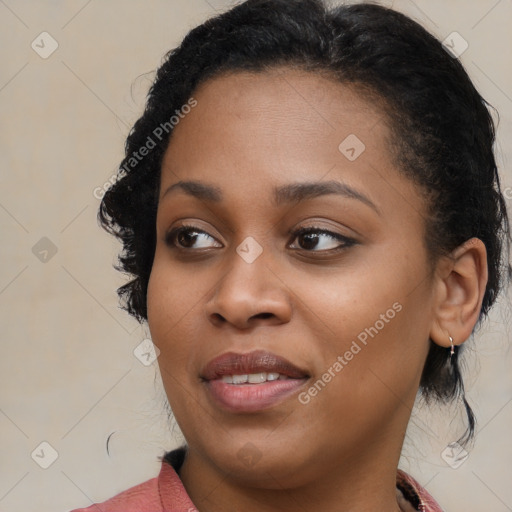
363 482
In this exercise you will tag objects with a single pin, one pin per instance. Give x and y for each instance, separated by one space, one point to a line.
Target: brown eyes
311 239
332 241
184 237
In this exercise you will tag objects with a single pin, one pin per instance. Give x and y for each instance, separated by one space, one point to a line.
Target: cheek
172 300
371 358
375 316
344 303
172 292
176 298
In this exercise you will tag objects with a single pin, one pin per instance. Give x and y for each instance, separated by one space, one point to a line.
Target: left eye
321 240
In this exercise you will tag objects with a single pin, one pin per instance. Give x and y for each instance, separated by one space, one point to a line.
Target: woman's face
331 325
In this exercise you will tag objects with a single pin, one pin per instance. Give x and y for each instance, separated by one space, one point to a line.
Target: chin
264 466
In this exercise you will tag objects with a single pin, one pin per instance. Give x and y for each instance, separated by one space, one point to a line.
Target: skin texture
248 134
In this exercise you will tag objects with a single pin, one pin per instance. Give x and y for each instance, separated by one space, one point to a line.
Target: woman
311 212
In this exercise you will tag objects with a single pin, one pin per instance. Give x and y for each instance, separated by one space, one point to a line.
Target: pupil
308 238
184 235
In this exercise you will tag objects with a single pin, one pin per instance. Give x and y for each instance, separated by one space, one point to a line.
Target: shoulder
160 494
144 496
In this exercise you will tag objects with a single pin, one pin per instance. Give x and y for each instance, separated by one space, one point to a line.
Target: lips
229 386
254 362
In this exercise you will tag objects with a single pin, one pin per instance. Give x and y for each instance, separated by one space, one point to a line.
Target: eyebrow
290 193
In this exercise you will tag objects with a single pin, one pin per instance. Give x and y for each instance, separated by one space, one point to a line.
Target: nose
249 294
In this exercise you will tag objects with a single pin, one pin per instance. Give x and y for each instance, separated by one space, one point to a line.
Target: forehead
253 121
294 104
256 131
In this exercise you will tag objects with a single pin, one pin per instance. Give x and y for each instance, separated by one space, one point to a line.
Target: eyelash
170 238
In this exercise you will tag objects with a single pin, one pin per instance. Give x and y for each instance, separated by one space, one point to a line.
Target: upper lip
258 361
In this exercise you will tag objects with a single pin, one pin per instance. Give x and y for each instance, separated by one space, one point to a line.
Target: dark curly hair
443 133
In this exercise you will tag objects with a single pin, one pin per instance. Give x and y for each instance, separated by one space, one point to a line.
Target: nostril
217 318
264 315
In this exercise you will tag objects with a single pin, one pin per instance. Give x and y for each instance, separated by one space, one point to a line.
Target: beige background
68 372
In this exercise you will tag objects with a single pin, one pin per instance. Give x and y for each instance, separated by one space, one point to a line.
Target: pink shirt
166 493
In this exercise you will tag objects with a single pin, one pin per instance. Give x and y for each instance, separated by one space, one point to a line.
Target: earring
452 348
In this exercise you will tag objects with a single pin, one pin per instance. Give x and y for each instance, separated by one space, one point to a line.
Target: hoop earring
452 348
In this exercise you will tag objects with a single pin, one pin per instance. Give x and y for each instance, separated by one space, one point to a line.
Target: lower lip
252 397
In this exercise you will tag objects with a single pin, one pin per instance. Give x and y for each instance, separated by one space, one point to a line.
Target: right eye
185 237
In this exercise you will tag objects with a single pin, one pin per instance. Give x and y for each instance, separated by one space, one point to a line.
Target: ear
460 282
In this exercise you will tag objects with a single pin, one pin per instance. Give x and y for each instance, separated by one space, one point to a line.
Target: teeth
257 378
253 378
